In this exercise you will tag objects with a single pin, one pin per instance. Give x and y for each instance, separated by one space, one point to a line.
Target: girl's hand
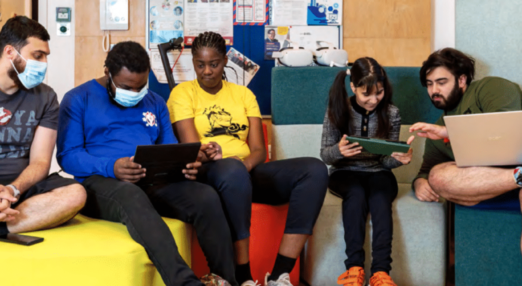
214 151
348 150
404 158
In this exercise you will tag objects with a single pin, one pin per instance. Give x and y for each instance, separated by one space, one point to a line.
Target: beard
451 101
14 76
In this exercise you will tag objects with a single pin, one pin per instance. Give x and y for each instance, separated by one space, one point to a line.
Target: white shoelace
250 283
283 280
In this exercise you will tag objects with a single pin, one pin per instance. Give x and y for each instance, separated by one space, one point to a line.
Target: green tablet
379 146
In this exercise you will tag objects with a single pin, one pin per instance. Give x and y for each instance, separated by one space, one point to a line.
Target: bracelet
15 190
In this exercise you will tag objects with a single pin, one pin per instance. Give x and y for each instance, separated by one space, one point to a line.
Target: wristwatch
16 191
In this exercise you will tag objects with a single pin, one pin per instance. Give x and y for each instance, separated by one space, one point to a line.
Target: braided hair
210 40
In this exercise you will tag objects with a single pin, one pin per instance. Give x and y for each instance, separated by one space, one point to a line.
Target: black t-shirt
20 114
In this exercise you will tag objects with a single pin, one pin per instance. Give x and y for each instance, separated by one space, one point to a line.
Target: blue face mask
128 98
33 74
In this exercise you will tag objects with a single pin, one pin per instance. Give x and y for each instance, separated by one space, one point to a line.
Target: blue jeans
301 182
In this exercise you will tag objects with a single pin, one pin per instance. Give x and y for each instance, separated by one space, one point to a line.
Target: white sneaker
283 280
250 283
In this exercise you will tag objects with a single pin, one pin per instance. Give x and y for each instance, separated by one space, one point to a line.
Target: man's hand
424 192
128 171
348 150
6 199
213 151
192 170
431 131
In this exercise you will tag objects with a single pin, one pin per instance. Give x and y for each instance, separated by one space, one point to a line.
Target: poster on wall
183 68
240 69
288 12
277 38
165 21
250 12
325 12
209 15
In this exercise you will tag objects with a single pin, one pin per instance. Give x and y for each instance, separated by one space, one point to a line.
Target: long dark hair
211 40
365 72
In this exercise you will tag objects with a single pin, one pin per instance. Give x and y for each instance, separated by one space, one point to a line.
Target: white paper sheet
251 11
183 71
209 15
289 12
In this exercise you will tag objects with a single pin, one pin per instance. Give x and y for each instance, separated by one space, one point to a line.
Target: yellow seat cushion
88 252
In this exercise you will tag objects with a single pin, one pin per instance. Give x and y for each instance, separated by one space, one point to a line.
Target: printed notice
165 21
183 71
209 15
289 12
251 11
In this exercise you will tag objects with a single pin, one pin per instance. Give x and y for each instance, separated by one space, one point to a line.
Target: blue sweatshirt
94 132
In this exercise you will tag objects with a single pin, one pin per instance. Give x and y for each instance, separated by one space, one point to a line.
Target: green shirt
490 94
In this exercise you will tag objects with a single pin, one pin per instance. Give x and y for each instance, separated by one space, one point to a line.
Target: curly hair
454 60
130 55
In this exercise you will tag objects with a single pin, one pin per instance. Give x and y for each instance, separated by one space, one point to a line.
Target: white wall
60 71
443 24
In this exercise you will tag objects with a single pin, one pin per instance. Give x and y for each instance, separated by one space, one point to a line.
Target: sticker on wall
325 12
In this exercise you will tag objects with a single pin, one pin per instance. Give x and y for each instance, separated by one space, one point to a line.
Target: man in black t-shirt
30 199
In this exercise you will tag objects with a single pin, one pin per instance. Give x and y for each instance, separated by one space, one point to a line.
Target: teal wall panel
491 32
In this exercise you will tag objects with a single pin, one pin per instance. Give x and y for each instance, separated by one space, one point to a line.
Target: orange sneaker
381 278
352 277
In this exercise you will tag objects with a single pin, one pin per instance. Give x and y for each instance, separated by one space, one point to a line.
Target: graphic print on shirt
150 119
5 116
221 122
16 132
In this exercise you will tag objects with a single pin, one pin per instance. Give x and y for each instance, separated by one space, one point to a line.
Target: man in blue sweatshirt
101 123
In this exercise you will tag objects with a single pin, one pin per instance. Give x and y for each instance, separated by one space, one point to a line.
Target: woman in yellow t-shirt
223 116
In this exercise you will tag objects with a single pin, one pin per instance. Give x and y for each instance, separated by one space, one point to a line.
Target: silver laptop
486 139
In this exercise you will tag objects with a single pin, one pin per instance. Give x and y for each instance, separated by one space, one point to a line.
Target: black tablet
164 163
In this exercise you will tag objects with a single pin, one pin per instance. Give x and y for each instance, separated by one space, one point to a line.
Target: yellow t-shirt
221 117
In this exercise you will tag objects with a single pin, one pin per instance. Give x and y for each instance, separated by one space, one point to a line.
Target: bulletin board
250 41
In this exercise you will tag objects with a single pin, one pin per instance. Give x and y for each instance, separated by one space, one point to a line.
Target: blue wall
250 41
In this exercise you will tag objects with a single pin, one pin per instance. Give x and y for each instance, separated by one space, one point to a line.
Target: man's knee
439 179
73 196
206 200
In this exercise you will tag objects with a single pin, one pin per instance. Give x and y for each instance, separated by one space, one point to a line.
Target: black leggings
364 192
301 182
141 211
